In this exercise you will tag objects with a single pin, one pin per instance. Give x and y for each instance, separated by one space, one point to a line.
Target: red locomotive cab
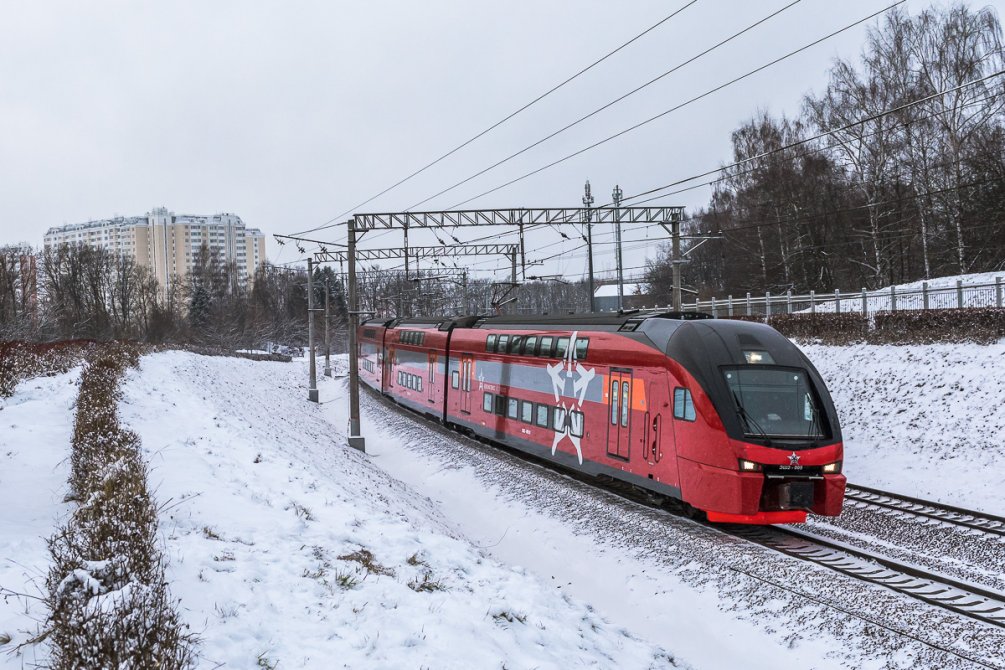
758 436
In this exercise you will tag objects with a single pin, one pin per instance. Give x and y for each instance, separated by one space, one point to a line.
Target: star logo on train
560 373
794 459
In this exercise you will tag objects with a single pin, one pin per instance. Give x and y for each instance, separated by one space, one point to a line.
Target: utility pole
328 349
617 234
312 389
677 260
588 204
356 440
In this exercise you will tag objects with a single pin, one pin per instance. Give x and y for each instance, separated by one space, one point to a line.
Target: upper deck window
490 343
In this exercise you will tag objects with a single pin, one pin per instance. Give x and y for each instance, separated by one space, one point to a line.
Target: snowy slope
979 290
923 420
36 425
267 518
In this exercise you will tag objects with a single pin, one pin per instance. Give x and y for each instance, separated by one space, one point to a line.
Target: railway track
961 598
965 599
869 497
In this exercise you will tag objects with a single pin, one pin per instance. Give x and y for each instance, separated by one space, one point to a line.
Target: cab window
683 406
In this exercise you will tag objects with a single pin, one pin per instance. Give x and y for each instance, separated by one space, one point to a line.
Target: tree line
893 172
84 292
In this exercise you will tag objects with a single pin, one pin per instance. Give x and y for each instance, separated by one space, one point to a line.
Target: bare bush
109 603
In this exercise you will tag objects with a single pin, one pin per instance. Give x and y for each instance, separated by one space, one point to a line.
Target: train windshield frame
776 402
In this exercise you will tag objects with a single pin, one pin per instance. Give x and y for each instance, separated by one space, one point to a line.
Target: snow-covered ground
979 290
288 550
922 420
36 425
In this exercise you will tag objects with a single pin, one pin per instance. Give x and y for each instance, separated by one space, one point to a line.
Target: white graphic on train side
570 425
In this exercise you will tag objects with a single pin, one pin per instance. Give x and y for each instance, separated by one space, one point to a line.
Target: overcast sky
290 113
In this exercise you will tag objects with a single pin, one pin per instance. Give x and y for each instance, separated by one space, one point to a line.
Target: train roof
603 321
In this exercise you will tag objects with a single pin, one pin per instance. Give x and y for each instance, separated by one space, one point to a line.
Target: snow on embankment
286 548
922 420
36 424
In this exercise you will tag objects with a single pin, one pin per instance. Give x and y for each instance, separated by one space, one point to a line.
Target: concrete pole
356 440
312 389
617 234
328 348
588 204
675 234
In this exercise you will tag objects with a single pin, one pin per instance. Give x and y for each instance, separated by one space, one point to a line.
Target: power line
608 105
818 136
509 116
678 106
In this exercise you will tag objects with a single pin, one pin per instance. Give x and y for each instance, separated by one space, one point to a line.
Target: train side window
501 405
582 343
546 344
515 344
558 419
422 338
490 344
502 344
418 382
561 347
541 415
529 345
512 408
615 397
455 379
576 423
487 402
626 402
683 406
526 411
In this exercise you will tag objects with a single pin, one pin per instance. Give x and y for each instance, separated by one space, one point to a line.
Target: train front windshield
775 403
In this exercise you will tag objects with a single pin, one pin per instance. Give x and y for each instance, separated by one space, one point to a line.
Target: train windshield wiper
749 420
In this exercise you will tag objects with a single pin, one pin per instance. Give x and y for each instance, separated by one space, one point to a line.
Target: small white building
606 297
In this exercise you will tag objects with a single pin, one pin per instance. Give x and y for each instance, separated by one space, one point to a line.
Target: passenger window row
412 337
546 346
534 413
410 381
369 365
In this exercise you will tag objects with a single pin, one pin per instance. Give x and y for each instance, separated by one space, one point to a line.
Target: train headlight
832 468
749 466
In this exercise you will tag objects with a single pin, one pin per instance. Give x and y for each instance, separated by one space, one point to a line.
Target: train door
619 428
431 378
467 366
389 368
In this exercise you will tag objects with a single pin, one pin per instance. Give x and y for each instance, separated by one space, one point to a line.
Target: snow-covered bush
108 600
982 325
826 328
23 360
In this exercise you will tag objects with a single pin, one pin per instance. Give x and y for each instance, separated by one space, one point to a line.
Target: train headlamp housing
832 468
749 466
758 358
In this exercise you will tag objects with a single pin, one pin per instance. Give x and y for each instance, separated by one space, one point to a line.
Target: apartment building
167 242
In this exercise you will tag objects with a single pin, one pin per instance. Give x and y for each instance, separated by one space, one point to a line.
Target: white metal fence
989 294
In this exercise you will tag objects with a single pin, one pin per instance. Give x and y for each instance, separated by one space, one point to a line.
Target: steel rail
962 598
981 521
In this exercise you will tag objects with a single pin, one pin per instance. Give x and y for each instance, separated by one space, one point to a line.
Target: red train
727 416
